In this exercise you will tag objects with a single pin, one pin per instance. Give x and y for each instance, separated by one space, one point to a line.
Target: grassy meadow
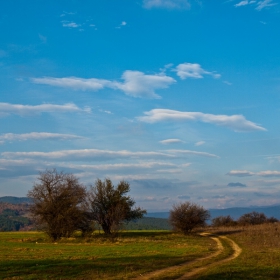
30 255
260 257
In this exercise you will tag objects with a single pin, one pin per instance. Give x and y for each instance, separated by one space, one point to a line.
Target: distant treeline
13 217
148 224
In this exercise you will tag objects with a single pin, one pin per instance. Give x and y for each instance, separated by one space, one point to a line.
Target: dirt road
236 252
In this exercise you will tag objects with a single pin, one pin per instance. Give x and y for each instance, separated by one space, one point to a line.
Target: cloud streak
245 173
235 122
97 155
259 5
194 153
193 70
167 4
19 109
135 83
170 141
37 136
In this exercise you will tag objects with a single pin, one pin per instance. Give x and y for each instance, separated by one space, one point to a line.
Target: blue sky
178 97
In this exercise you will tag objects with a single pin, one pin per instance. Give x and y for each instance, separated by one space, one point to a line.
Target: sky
178 97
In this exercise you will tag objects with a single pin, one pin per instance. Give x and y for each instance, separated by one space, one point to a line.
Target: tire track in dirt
236 252
220 248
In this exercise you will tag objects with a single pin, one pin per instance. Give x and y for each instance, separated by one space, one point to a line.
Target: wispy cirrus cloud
99 155
240 173
193 70
234 122
135 83
190 152
20 109
244 173
70 24
244 3
123 23
123 166
37 136
265 4
259 5
199 143
86 154
171 141
167 4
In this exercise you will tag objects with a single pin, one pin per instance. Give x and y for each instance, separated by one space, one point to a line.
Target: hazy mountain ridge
14 215
234 212
15 200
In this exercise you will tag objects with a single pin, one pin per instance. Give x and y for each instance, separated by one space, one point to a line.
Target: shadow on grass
226 232
83 268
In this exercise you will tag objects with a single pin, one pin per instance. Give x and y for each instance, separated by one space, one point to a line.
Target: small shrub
223 221
186 216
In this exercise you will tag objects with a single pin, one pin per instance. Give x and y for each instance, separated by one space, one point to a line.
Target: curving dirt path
236 252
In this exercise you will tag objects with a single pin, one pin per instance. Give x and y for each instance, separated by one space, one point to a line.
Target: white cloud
37 136
171 141
135 84
122 166
195 153
240 173
70 24
234 122
86 154
264 4
268 173
73 83
259 4
200 143
193 70
244 173
19 109
169 4
123 23
242 3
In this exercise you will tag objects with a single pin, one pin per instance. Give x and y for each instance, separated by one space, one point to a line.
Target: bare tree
223 221
111 206
255 218
59 204
186 216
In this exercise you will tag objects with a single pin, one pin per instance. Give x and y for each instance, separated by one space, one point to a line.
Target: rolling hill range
235 212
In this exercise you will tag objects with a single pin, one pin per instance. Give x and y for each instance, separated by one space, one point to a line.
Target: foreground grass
29 255
260 258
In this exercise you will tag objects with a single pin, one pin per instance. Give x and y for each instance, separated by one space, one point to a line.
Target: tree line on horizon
61 205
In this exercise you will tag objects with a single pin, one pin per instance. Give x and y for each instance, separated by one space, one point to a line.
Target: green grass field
29 255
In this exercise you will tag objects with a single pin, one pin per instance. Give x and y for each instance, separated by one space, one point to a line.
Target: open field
145 255
260 257
28 255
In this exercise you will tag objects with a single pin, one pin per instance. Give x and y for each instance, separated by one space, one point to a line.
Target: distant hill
235 213
15 200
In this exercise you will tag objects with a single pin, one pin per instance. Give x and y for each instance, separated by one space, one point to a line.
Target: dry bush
226 221
186 216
